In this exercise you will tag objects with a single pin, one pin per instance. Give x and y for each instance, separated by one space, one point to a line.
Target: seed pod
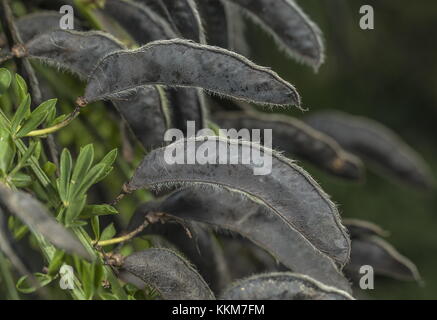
201 248
382 257
375 143
32 213
296 138
282 286
159 7
40 22
76 52
186 105
186 17
215 22
359 228
171 275
289 26
142 23
182 63
145 113
289 190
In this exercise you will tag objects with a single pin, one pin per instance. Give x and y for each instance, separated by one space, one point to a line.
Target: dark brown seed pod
289 190
296 138
32 213
40 22
170 274
292 30
282 286
182 63
374 142
142 23
382 257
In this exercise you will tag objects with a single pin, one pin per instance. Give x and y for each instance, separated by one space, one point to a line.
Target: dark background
388 74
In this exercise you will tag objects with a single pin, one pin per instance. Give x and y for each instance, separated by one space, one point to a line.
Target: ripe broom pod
383 257
76 52
287 189
142 23
182 63
231 210
374 142
40 22
170 274
201 249
282 286
186 17
32 213
292 30
296 138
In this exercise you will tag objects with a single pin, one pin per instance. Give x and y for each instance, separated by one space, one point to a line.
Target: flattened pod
231 210
186 17
77 52
143 24
282 286
40 22
296 138
383 257
289 26
182 63
145 114
360 228
374 142
262 173
215 21
32 213
171 275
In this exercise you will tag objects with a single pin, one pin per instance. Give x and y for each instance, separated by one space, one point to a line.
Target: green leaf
21 180
56 263
7 151
24 287
74 209
22 111
83 164
92 177
108 233
64 175
109 159
5 80
97 210
49 169
95 225
87 277
22 90
99 274
37 117
25 157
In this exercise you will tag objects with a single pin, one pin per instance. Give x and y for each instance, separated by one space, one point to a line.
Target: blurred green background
388 74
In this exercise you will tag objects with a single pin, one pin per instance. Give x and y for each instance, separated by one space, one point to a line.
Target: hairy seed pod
296 138
287 188
32 213
142 23
186 17
170 274
375 143
235 211
290 27
282 286
382 257
40 22
182 63
359 228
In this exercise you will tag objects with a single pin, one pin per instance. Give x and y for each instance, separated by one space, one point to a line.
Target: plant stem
63 124
124 238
